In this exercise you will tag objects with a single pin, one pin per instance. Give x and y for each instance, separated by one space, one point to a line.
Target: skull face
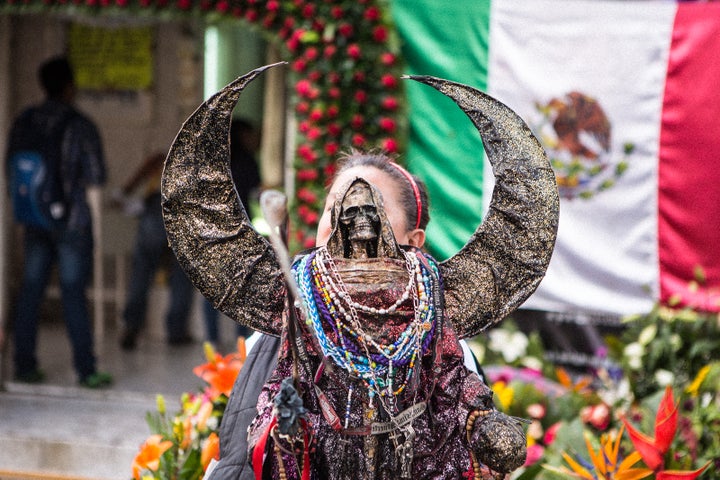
359 221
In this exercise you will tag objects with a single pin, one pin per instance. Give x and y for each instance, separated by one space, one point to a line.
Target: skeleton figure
376 351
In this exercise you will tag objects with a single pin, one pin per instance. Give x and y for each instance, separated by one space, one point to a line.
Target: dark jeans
212 331
73 252
151 250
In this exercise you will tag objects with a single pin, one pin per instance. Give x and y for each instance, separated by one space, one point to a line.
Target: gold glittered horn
507 256
226 259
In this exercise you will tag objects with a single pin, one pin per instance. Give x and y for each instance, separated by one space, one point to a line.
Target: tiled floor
61 429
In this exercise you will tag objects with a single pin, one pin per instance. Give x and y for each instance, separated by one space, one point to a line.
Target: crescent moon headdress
236 269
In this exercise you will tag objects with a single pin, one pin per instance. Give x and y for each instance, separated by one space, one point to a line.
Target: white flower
648 334
634 352
511 345
664 377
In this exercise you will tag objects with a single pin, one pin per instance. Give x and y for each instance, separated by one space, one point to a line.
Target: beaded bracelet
474 415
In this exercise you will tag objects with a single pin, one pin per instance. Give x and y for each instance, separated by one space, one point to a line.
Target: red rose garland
346 78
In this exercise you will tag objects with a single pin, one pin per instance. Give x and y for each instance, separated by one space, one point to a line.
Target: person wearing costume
370 381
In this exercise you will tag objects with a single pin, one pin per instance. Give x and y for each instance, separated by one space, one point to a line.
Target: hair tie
416 191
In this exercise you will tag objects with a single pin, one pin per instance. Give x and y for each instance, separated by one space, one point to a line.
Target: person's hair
386 163
55 75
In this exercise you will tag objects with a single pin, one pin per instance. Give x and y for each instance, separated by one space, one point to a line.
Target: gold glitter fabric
507 256
226 259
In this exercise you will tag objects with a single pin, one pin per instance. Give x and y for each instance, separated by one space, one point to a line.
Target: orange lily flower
210 450
148 458
653 450
220 372
566 381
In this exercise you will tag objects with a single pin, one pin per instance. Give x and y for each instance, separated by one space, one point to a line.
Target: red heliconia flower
357 121
358 140
390 145
361 96
273 5
331 148
653 450
372 13
387 58
354 51
389 103
345 29
380 34
387 124
388 81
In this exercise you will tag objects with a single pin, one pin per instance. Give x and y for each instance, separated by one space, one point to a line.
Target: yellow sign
105 58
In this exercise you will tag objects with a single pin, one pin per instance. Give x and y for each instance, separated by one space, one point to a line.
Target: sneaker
33 376
97 380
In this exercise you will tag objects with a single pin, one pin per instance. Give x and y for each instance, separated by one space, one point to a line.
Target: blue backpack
34 171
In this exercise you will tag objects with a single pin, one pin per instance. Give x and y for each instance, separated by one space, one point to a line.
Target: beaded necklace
331 309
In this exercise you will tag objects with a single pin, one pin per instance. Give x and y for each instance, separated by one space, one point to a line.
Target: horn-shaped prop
507 256
226 259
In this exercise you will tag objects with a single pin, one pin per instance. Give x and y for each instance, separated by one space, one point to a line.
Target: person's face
391 200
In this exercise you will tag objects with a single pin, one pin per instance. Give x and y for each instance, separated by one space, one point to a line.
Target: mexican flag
625 98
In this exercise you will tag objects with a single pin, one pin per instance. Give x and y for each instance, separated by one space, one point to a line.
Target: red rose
314 133
345 29
358 140
269 20
184 4
388 81
380 34
359 76
309 242
332 111
304 126
302 107
299 65
273 5
329 170
331 148
389 103
334 77
337 12
222 6
329 51
307 175
306 153
306 195
289 22
360 96
312 219
334 92
316 114
308 11
303 210
390 145
357 121
303 88
354 51
372 13
387 58
314 75
334 129
251 15
387 124
311 53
